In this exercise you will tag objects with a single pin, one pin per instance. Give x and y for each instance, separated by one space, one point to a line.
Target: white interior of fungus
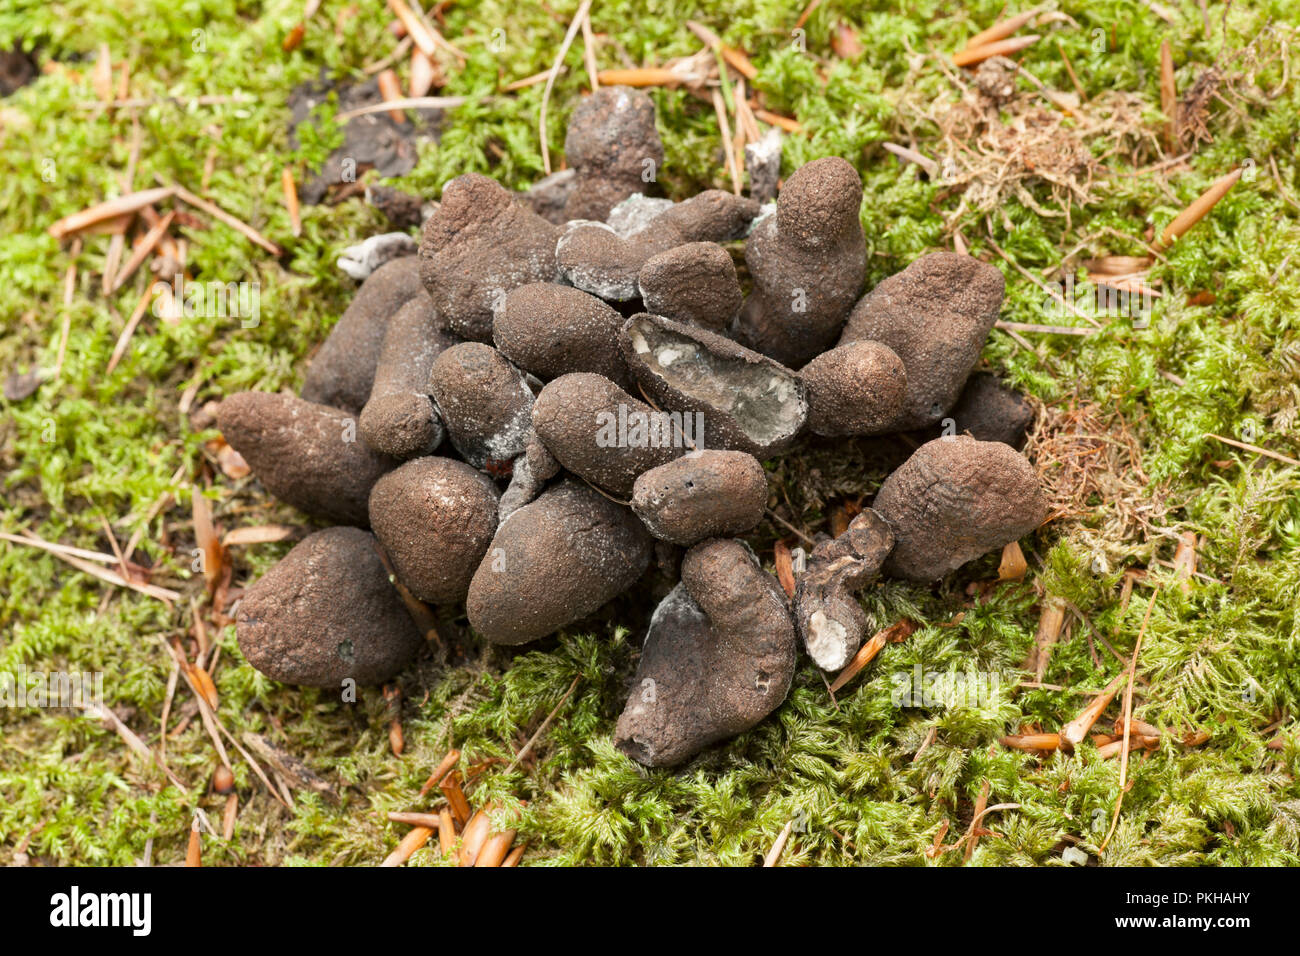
826 644
764 401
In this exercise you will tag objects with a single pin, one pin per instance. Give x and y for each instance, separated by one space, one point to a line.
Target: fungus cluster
570 386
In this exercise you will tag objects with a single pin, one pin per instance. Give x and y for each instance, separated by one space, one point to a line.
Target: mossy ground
865 781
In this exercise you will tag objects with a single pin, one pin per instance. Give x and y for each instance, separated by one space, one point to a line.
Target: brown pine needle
144 249
778 846
1055 294
102 77
516 855
205 709
109 210
1137 727
865 655
396 739
115 226
390 88
291 200
972 830
443 768
1050 622
205 536
1074 732
407 103
209 166
69 287
574 26
203 685
229 816
112 259
186 102
293 38
451 789
415 819
261 534
422 35
724 127
1168 95
640 76
589 53
194 852
112 577
776 119
187 197
1128 717
1000 30
473 837
1043 329
896 632
739 61
1069 69
1246 446
912 156
807 12
736 59
212 723
745 115
55 548
1197 210
1185 560
528 81
1031 741
446 831
972 55
980 805
129 737
1115 747
523 751
936 848
414 839
424 74
495 849
784 567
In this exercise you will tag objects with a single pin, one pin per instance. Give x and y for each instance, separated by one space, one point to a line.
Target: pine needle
290 189
1128 717
212 209
112 209
778 846
589 53
574 26
973 55
144 249
1001 30
523 751
1246 446
724 127
1197 211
